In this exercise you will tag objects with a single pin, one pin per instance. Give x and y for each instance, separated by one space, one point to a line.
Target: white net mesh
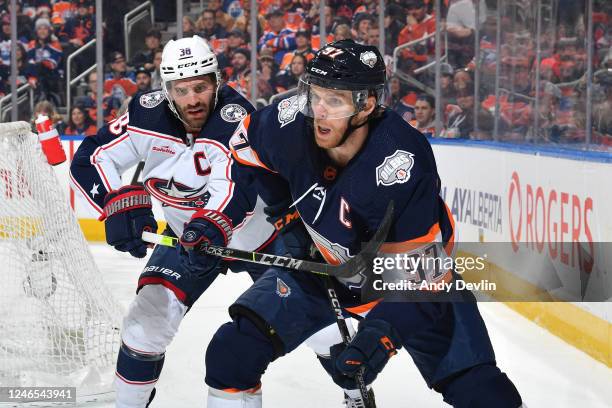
59 324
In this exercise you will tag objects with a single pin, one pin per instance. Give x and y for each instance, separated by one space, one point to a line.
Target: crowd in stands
288 35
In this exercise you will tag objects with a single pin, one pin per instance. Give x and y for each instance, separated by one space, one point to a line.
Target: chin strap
351 128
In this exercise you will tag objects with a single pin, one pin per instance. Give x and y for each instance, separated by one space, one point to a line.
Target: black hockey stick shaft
367 399
360 263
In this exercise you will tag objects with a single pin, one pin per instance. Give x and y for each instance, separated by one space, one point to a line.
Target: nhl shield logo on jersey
233 113
282 289
152 99
368 58
395 168
288 109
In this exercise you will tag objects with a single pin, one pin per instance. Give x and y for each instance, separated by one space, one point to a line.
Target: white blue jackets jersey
343 207
183 172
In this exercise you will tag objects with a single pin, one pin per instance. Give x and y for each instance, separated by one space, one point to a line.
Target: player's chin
326 138
197 120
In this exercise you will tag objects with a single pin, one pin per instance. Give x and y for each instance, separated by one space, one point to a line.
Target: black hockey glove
375 343
206 227
291 229
128 212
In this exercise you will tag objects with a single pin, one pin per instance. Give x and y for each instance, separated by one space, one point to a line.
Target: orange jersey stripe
363 308
402 247
249 391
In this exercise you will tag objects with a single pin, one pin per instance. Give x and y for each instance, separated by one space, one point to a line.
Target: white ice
547 371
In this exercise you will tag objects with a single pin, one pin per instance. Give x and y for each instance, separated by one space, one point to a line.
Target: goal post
59 323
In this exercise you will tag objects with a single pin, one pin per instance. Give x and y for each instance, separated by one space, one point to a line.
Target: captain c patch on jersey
395 168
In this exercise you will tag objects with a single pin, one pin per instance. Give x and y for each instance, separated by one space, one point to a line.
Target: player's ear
369 106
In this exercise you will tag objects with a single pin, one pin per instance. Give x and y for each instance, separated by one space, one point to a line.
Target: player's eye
200 88
181 91
334 102
314 98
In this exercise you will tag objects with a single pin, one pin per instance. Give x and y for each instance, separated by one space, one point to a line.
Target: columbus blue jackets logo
177 195
395 168
152 99
282 289
233 113
289 108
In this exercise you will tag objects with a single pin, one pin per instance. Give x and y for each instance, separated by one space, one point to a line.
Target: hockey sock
137 373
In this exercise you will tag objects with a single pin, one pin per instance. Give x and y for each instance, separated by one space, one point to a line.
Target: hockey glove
128 213
206 227
290 227
375 343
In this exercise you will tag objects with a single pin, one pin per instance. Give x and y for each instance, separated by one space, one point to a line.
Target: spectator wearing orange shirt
302 42
311 22
80 123
566 51
293 14
120 83
241 60
62 11
80 27
419 24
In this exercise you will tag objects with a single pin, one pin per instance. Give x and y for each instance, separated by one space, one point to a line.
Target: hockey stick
359 264
354 266
366 397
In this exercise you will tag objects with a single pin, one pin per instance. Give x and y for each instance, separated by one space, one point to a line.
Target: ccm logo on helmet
188 64
318 71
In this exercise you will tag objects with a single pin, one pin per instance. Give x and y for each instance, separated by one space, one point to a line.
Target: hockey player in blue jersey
337 157
181 133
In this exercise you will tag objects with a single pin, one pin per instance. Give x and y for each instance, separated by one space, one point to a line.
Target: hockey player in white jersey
181 133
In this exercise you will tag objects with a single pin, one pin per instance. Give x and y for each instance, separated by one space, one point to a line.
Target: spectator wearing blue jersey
278 38
209 29
46 54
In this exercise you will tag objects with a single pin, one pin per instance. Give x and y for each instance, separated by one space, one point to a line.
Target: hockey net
58 321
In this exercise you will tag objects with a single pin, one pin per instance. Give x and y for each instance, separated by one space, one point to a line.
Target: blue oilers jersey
183 172
343 207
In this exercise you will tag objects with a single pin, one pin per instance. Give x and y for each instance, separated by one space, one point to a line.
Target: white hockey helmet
185 58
